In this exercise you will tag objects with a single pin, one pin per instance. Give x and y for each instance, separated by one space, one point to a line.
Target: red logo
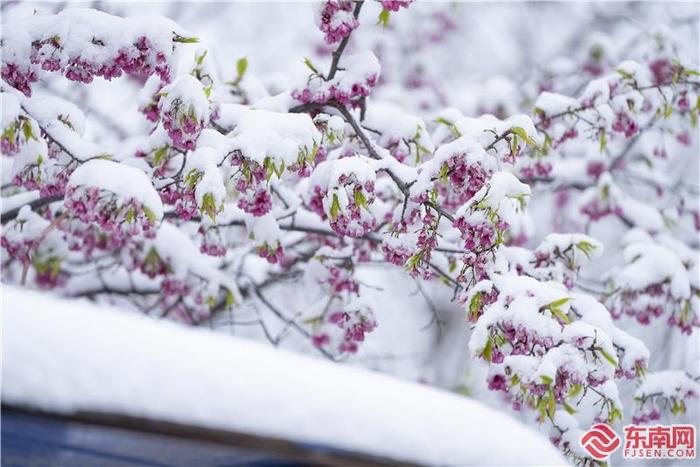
600 441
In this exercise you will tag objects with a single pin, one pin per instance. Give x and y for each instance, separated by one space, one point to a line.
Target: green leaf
569 409
241 67
475 305
520 131
27 131
159 155
384 18
185 40
608 357
130 215
193 177
335 207
556 312
668 110
150 215
546 379
209 206
488 349
552 405
413 261
308 63
560 302
444 170
499 339
514 144
281 170
615 414
586 247
542 410
603 139
360 200
574 391
269 168
625 74
455 131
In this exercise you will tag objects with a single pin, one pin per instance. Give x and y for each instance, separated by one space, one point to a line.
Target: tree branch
341 47
37 203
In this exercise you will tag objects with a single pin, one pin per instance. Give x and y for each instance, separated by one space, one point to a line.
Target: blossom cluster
343 192
113 216
140 59
350 86
346 329
349 317
184 110
672 291
336 20
541 357
32 240
669 390
395 5
251 184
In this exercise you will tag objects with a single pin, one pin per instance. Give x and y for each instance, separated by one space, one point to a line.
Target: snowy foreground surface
63 356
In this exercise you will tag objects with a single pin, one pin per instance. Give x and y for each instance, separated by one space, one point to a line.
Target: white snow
188 92
356 69
263 229
583 247
10 109
77 29
124 181
20 199
552 104
98 359
204 160
503 193
668 383
527 296
634 349
502 186
649 263
182 255
464 146
62 121
396 126
281 136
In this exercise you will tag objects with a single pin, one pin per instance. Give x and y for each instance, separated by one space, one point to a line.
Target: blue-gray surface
32 440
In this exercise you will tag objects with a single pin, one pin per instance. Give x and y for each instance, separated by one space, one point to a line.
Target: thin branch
37 203
341 47
287 321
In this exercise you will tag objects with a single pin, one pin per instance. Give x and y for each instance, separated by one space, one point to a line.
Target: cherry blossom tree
232 196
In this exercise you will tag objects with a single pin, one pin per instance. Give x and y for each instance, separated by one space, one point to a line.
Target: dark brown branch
343 43
37 203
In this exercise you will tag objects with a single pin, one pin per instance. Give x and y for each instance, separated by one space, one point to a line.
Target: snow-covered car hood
66 357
